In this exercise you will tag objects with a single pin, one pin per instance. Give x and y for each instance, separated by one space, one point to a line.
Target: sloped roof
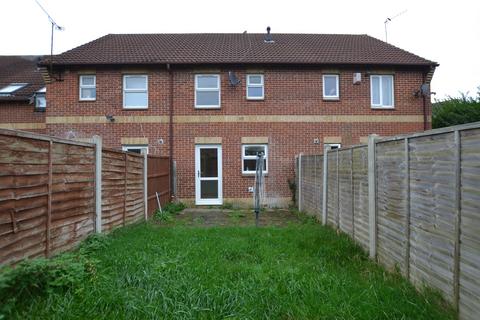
233 48
20 69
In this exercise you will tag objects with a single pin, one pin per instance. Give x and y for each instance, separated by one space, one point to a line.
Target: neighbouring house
22 93
213 101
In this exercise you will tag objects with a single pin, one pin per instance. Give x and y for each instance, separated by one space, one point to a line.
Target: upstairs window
11 88
88 87
40 100
331 87
135 91
249 157
207 91
140 149
381 91
333 146
255 87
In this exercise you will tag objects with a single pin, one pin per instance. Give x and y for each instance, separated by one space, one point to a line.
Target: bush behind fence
420 213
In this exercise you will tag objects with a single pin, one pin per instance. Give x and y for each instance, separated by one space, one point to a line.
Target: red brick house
212 101
22 94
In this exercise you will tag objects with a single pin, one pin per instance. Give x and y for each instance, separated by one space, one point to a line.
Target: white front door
208 175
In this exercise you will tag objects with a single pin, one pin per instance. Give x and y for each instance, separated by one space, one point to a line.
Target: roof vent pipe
268 36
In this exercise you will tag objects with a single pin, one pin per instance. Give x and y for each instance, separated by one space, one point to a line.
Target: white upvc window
207 91
249 157
135 91
255 87
88 87
381 91
331 90
11 88
40 100
333 146
140 149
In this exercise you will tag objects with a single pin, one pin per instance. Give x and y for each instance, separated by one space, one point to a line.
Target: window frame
244 157
125 90
87 86
127 147
337 145
381 105
330 97
208 89
255 85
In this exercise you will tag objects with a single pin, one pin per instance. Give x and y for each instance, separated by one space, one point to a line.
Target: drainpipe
170 128
424 105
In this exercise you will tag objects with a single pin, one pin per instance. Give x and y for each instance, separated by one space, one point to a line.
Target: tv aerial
55 26
389 20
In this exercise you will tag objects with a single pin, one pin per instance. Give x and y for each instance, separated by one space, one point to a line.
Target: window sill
135 108
252 175
255 99
207 107
331 99
382 107
87 100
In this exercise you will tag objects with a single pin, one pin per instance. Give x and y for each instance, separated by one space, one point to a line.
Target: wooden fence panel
360 196
158 181
73 200
391 204
469 295
308 184
432 198
24 175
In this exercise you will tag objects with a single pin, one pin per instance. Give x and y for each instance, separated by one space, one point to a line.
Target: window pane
375 90
254 150
41 102
255 92
135 99
207 82
330 85
249 165
208 98
135 150
88 93
387 95
254 79
135 82
87 80
209 189
209 162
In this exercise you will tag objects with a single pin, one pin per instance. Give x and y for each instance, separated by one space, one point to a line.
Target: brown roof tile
238 49
20 69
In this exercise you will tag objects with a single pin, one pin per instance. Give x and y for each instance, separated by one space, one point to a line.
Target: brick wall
21 115
292 115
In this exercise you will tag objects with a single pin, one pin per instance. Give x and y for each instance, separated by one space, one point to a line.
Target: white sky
444 31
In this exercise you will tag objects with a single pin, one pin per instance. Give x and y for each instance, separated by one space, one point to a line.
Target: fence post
337 218
145 184
125 189
456 252
49 200
300 182
372 196
325 184
407 213
98 183
352 192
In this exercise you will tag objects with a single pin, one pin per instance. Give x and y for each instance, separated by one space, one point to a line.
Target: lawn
150 271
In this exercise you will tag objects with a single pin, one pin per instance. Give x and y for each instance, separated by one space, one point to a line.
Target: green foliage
227 206
456 110
41 277
303 271
169 211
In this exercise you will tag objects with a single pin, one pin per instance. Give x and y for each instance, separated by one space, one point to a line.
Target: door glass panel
209 189
208 163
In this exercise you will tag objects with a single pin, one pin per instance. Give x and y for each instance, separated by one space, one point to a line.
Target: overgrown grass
169 212
302 271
